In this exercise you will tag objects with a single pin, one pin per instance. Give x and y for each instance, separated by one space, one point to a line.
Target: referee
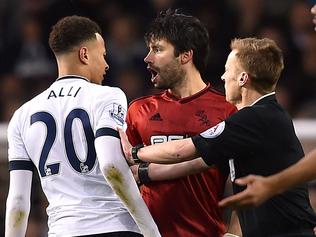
258 139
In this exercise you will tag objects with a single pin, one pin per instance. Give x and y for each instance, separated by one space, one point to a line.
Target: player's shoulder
215 93
218 96
247 115
32 103
105 92
105 89
146 99
20 113
218 100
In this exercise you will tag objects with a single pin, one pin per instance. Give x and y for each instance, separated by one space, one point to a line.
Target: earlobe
83 55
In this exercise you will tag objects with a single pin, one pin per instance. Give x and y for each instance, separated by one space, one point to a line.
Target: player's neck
191 85
64 71
68 66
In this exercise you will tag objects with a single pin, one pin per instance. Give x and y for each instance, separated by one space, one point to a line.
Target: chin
229 100
161 86
156 85
99 82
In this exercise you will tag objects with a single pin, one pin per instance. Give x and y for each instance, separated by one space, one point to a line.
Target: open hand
257 191
126 146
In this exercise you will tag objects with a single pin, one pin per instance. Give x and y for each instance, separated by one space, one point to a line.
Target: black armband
134 153
143 173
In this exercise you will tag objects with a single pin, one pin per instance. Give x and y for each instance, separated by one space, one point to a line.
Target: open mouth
153 71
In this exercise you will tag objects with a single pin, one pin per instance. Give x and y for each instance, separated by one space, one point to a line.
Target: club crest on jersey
214 131
118 114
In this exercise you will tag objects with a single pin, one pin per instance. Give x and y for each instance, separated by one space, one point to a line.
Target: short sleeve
16 148
208 144
237 135
113 111
17 154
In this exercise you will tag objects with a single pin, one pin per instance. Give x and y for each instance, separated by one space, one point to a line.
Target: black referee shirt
260 139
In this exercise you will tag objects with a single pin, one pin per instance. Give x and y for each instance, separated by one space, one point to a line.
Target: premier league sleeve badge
118 114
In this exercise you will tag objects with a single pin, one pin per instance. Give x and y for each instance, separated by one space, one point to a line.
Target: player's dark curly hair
184 33
70 31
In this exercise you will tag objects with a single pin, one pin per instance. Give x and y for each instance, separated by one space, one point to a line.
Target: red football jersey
185 207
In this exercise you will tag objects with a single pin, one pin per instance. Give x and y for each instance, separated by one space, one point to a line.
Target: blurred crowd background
27 66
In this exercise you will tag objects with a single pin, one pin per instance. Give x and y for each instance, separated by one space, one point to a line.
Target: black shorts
116 234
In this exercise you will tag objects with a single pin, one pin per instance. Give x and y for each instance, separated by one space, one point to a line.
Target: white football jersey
55 131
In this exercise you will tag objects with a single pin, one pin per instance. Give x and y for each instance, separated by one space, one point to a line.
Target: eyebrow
155 45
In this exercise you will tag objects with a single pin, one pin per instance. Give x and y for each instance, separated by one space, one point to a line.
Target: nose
148 58
222 78
107 67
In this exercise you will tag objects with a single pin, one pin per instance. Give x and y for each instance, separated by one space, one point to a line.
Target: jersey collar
189 98
71 77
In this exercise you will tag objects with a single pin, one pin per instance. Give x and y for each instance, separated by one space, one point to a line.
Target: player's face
97 56
230 77
165 68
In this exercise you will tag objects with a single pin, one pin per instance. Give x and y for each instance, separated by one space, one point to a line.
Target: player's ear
83 55
187 56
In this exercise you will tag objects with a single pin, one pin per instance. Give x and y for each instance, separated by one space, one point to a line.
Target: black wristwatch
134 153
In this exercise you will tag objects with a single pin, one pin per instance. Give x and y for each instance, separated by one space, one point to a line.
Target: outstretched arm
118 175
163 153
160 172
259 188
18 203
